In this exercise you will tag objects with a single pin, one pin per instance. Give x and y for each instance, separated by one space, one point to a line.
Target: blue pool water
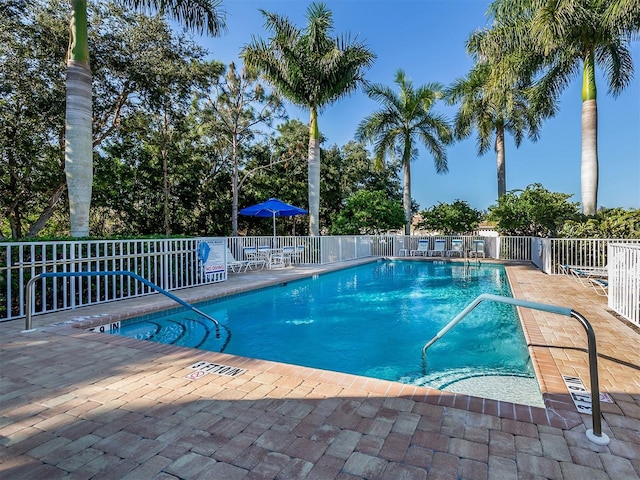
371 320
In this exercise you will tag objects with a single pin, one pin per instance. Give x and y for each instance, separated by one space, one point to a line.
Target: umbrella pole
274 229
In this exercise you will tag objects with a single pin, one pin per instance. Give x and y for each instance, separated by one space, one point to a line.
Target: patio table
271 256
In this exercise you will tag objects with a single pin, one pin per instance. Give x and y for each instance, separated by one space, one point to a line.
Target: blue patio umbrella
272 208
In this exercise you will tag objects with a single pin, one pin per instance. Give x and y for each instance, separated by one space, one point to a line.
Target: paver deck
79 405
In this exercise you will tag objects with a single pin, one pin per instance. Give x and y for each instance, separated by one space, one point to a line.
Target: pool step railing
595 434
467 259
30 283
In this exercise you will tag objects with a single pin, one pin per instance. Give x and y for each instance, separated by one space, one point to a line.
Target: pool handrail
595 435
155 287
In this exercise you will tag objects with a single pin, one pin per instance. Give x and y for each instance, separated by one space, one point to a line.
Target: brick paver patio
79 405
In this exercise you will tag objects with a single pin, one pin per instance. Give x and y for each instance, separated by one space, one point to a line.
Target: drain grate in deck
202 368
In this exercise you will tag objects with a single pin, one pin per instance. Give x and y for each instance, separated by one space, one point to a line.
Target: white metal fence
168 263
585 252
624 280
504 248
173 263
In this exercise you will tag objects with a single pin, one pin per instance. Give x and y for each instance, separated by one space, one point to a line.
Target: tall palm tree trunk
589 162
500 162
79 137
78 152
314 173
406 197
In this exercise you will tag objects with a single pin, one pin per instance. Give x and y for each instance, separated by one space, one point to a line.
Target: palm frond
624 15
308 67
617 62
199 15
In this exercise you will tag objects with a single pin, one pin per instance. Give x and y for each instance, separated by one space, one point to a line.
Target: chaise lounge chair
438 249
585 275
234 265
456 248
423 248
601 286
478 249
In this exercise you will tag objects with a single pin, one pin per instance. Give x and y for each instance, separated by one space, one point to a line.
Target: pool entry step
594 434
187 331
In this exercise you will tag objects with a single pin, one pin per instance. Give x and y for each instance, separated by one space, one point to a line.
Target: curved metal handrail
155 287
595 434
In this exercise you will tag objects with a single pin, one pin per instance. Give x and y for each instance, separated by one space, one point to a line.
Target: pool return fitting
594 434
29 293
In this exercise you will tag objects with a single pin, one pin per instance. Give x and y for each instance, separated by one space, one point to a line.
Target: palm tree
311 70
405 121
202 15
567 37
492 111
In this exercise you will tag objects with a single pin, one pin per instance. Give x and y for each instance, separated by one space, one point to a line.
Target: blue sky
426 38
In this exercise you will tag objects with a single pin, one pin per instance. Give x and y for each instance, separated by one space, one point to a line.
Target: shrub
450 218
533 211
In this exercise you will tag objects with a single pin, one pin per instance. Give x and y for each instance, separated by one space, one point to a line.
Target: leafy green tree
451 218
33 98
533 211
168 105
277 168
235 111
368 213
607 223
493 110
405 121
564 38
332 193
348 170
151 151
312 70
199 14
31 117
129 183
359 171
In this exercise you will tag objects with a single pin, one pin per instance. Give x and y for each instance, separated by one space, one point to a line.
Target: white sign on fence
211 254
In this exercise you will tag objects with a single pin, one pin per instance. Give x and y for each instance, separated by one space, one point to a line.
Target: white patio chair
296 256
264 253
282 257
253 258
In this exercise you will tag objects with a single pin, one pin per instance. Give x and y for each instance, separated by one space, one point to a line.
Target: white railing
168 263
173 263
624 280
322 250
585 252
513 248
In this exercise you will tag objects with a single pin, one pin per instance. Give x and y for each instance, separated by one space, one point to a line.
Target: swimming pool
370 320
